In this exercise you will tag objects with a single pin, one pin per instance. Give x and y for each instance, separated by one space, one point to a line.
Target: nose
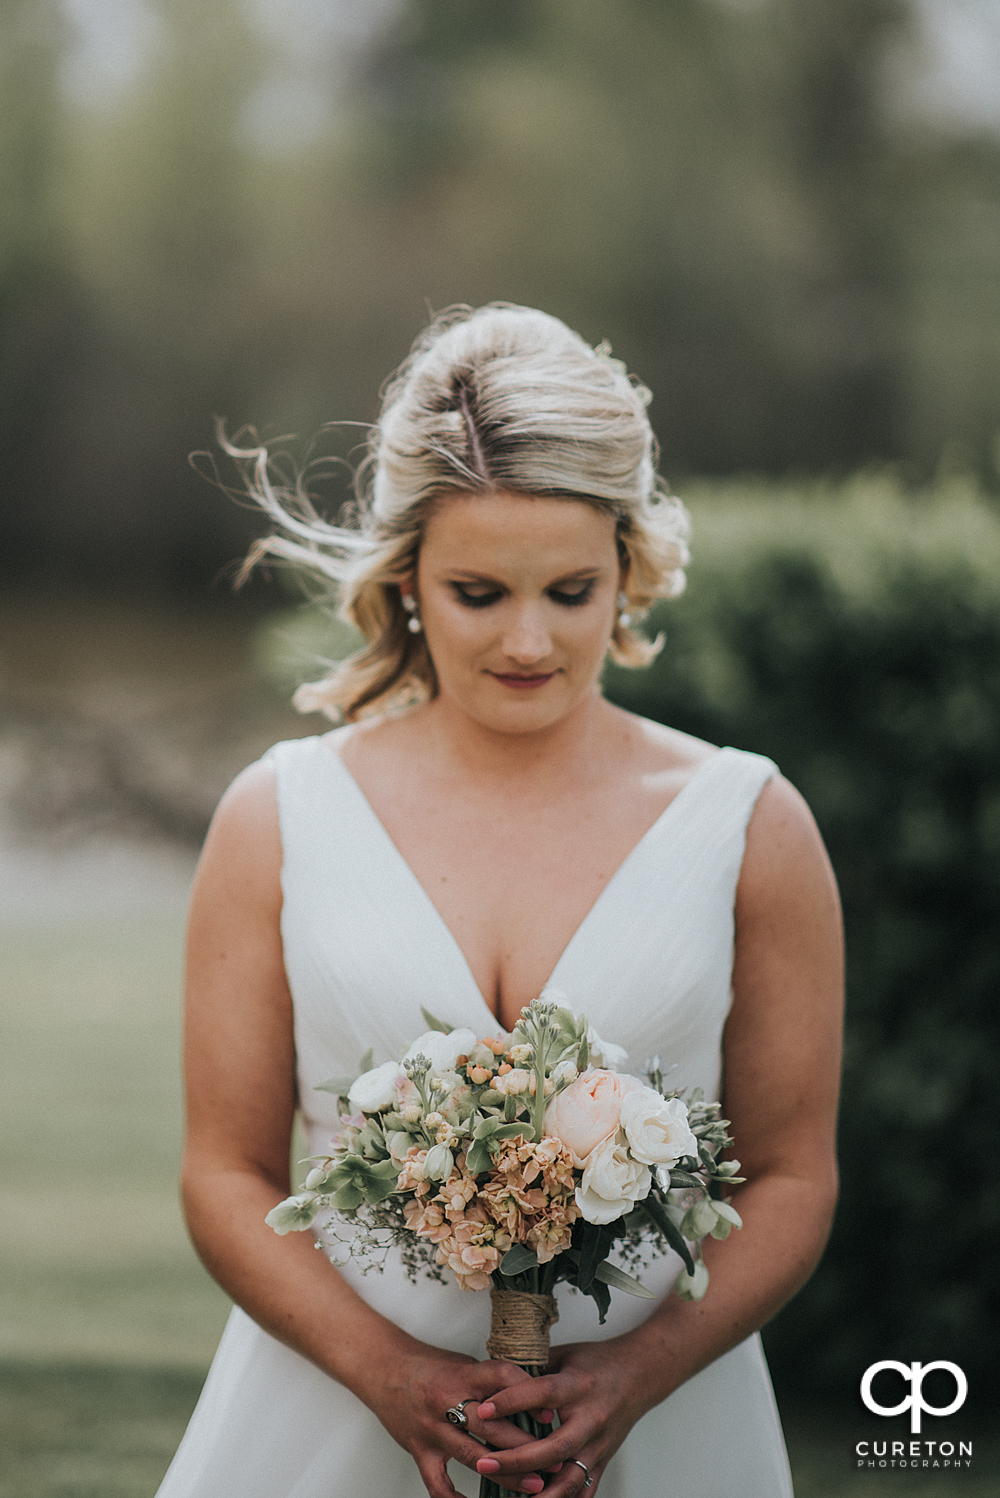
526 638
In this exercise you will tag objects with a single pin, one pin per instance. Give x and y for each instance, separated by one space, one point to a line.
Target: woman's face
517 598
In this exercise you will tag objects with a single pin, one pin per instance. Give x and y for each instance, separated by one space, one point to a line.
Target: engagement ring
588 1481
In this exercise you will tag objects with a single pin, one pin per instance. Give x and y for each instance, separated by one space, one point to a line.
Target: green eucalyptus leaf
595 1245
518 1260
599 1292
433 1023
611 1275
477 1158
339 1086
657 1214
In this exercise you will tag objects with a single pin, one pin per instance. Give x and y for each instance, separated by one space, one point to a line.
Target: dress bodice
364 948
650 964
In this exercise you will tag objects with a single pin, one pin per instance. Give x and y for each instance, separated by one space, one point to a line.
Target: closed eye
572 599
476 600
569 598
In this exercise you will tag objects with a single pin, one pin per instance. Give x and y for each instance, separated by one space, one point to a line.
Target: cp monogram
915 1373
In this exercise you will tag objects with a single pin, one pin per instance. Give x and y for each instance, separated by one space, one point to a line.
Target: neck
571 745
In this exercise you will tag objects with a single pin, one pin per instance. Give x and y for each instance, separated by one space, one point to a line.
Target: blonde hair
495 398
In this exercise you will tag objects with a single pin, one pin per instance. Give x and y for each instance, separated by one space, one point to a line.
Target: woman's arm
240 1074
781 1069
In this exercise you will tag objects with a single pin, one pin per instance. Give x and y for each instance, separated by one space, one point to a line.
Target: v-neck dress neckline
653 834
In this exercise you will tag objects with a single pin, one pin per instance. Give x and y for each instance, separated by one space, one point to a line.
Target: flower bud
692 1286
701 1219
313 1179
439 1164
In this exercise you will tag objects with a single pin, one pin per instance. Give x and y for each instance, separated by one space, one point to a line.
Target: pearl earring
413 624
624 617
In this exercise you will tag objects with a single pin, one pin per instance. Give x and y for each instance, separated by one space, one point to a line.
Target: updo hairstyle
495 398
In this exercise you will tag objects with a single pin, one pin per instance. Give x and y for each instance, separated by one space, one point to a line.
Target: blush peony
587 1111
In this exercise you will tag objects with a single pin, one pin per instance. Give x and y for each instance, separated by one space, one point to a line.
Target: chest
513 878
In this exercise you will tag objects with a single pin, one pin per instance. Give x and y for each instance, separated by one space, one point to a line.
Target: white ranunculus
612 1182
603 1054
442 1050
656 1127
376 1089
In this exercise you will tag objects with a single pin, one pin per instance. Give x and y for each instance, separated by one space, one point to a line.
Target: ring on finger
588 1481
457 1414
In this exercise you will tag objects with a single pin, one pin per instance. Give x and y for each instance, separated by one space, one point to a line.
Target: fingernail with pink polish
488 1410
487 1465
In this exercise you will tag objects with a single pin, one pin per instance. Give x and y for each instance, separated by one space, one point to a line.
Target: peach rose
586 1112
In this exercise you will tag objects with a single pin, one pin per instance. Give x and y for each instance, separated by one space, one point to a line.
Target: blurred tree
703 182
715 186
38 303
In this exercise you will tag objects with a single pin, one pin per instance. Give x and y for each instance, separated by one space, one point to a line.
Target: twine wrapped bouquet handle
519 1327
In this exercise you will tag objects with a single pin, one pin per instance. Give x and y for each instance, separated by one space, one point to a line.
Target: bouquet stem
519 1333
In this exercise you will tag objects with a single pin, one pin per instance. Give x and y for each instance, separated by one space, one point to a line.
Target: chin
521 717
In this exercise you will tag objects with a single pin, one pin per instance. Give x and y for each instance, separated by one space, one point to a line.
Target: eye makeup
565 597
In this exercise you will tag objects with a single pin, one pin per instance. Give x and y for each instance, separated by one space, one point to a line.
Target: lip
522 683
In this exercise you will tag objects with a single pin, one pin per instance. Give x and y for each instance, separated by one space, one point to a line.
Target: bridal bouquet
519 1162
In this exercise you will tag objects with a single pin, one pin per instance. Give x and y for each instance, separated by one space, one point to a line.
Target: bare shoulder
784 849
243 846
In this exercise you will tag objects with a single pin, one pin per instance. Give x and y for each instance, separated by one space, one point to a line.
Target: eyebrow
580 574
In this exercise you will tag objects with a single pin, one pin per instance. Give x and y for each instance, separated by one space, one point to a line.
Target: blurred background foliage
247 208
785 215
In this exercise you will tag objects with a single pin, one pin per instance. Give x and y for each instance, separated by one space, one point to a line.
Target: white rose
603 1054
612 1182
376 1089
442 1050
656 1127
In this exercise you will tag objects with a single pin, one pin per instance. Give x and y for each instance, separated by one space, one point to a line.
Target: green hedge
853 634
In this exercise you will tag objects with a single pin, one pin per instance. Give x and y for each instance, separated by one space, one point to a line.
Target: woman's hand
593 1387
411 1393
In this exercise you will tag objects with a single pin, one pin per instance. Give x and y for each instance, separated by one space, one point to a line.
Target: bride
486 823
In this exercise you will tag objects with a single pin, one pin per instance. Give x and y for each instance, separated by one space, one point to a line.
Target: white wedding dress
650 966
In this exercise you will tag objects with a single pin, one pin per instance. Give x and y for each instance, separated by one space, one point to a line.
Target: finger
469 1452
572 1481
530 1483
562 1445
549 1392
434 1474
